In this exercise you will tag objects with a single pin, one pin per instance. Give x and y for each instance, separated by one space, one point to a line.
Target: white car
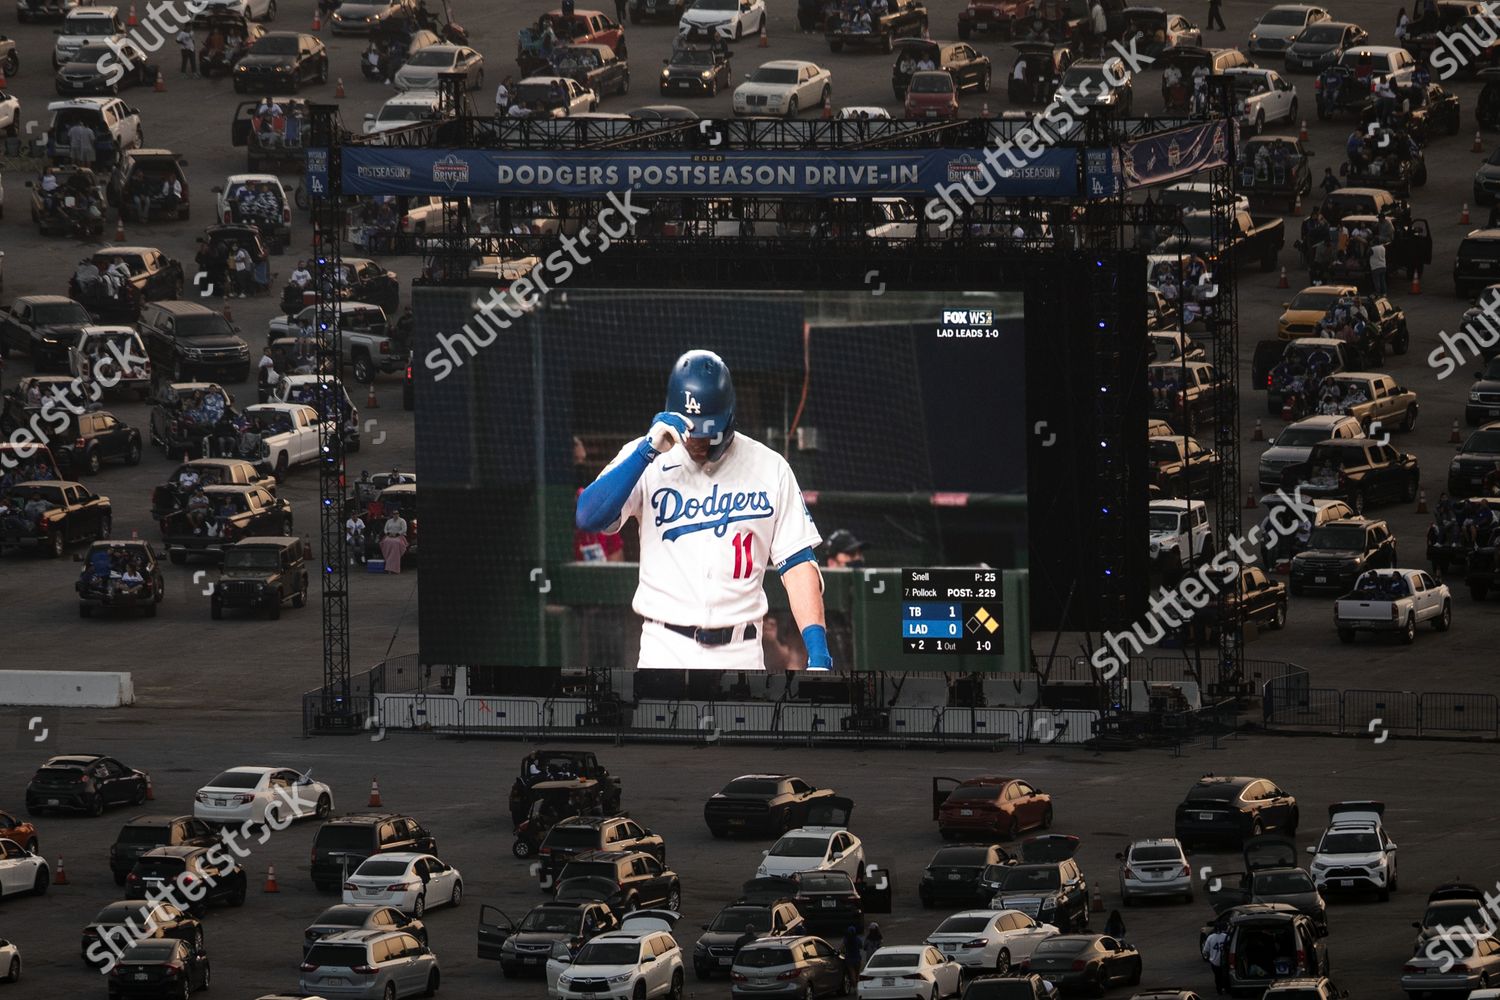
1181 536
619 965
21 871
114 356
1354 853
409 882
10 112
862 112
228 197
732 19
989 940
420 71
84 25
1156 867
402 110
1262 96
1393 600
10 961
254 10
1280 26
814 848
783 87
554 97
910 970
259 794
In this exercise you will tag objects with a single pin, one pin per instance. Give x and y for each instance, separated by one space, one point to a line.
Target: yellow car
1300 316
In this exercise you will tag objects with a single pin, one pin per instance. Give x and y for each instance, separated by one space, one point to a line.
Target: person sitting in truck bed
1479 524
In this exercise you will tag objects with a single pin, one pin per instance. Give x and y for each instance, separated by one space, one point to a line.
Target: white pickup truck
1393 600
288 436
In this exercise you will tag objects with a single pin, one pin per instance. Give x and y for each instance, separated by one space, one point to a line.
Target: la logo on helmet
691 405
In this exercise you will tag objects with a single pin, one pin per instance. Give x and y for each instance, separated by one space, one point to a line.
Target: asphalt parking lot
212 695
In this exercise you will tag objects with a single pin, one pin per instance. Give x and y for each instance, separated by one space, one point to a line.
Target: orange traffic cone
271 885
3 84
161 83
827 110
1283 282
1422 502
1463 217
1260 435
1478 143
1453 435
371 402
120 226
984 110
1250 497
131 21
61 878
317 20
374 794
1416 282
340 91
1303 134
150 788
1096 902
765 40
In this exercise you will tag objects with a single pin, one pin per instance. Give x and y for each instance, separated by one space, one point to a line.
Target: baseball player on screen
716 508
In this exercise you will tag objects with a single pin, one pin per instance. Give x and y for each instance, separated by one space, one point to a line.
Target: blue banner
369 170
1181 153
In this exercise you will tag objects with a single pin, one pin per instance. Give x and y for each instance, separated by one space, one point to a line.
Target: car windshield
162 868
773 74
1452 913
963 792
932 83
1311 299
118 913
57 313
1059 946
376 868
1350 537
1282 882
574 837
824 882
1283 17
91 52
551 920
800 847
1085 80
405 113
1483 443
590 869
1350 843
1337 456
251 559
608 953
140 835
275 45
1321 34
1301 437
333 837
1027 878
750 786
716 5
1156 854
101 26
236 779
429 57
337 956
203 325
1163 520
1248 83
539 93
970 856
583 60
692 57
150 951
736 919
894 960
963 925
1165 449
763 958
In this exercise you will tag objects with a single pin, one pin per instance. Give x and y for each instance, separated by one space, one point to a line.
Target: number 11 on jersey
744 555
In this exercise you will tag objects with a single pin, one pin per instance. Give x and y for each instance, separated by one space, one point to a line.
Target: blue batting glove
667 430
815 638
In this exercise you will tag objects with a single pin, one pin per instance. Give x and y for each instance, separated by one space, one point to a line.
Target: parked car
782 88
1086 961
552 930
896 972
1046 883
141 834
953 876
1359 471
61 514
989 804
341 919
343 843
989 940
765 804
156 921
1339 551
1234 809
1156 867
152 968
1393 600
1271 941
626 880
223 878
715 950
806 968
380 963
1276 29
409 881
1355 853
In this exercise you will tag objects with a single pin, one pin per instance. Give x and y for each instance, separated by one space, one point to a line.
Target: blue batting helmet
701 390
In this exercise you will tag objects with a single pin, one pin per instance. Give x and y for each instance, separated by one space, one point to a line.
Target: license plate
52 802
954 876
763 980
1320 579
221 802
932 114
336 981
1205 815
683 85
1483 265
736 822
531 961
887 982
827 904
1347 883
726 961
981 26
966 812
141 977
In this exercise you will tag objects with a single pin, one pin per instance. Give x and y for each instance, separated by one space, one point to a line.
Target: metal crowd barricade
1459 713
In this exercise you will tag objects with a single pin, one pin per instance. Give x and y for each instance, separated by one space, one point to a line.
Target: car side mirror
1417 924
1119 856
648 959
704 926
369 117
1311 849
216 189
766 853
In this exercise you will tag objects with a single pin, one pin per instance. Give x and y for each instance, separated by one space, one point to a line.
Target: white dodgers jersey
708 532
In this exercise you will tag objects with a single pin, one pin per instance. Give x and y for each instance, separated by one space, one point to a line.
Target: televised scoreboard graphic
953 611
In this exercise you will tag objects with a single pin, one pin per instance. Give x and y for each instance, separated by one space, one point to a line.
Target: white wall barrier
66 688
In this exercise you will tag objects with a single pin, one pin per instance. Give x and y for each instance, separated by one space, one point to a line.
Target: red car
988 805
932 94
582 27
18 830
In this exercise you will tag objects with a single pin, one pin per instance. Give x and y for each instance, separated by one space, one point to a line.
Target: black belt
710 636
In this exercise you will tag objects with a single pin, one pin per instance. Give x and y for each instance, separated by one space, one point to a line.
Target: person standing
1115 926
622 9
1213 951
81 145
1377 267
185 50
502 96
1099 25
853 948
1216 15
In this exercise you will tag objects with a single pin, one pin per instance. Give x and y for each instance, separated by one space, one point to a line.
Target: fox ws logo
969 317
452 170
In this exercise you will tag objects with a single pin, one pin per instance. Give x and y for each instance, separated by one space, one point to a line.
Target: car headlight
623 977
508 944
1474 397
701 946
708 74
1455 466
761 872
565 980
1254 37
1050 903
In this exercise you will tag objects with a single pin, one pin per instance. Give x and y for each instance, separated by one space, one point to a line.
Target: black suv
1046 883
261 573
185 339
161 867
1477 263
281 61
1339 551
1477 458
1234 809
715 950
1484 395
91 439
953 874
626 880
577 834
1027 987
342 844
1274 929
144 833
85 783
